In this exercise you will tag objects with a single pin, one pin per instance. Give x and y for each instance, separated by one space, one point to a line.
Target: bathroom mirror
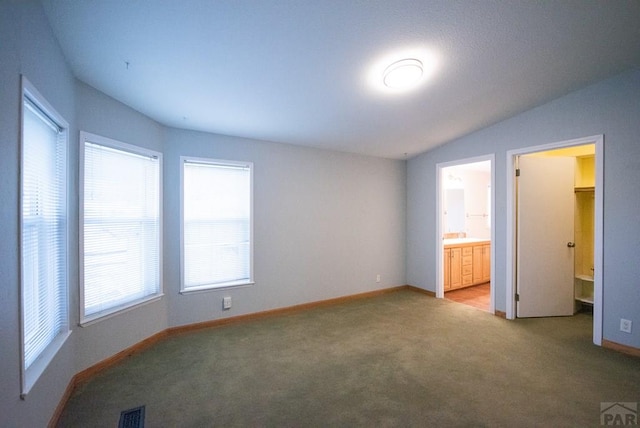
454 211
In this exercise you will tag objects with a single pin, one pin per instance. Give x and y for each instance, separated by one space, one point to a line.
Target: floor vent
132 418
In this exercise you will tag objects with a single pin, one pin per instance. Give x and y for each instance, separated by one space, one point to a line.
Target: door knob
571 244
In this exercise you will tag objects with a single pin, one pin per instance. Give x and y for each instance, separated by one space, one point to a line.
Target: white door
545 232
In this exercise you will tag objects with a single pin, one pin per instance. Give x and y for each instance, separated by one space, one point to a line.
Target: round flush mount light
403 74
402 70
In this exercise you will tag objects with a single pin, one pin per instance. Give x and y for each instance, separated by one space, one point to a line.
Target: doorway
465 232
549 274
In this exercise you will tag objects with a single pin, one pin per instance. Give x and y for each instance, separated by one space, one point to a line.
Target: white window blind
43 236
120 226
217 224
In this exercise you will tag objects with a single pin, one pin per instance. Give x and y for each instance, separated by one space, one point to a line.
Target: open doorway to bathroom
465 232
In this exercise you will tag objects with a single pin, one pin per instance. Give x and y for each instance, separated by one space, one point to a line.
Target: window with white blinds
216 224
43 223
120 226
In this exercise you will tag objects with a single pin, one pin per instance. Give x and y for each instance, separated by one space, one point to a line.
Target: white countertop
458 241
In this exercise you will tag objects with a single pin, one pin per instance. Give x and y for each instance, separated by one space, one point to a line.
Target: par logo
619 414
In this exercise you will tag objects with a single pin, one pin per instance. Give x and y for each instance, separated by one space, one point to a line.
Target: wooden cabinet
466 264
455 266
486 263
477 263
481 263
447 269
452 268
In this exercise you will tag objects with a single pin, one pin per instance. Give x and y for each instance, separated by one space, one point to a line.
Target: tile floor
477 296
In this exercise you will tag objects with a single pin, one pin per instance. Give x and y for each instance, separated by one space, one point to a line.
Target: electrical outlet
226 303
378 278
625 325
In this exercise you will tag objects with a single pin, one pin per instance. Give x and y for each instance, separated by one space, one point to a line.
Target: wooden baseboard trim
90 372
63 402
280 311
625 349
500 314
420 290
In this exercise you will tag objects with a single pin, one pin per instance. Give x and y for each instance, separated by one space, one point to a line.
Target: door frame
439 223
511 264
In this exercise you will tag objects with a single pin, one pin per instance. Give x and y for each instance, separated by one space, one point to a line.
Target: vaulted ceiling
306 72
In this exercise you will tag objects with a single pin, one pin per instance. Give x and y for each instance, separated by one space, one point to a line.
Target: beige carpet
402 359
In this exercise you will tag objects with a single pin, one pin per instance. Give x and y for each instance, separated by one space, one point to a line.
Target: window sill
31 375
92 319
226 286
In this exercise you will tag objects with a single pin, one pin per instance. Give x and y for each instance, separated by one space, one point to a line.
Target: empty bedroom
257 213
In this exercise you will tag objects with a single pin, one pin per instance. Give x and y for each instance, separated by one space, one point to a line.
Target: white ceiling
296 71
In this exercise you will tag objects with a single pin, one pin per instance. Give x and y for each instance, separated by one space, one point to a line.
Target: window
120 226
216 224
43 224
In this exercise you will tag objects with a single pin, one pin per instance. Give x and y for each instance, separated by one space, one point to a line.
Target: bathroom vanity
467 262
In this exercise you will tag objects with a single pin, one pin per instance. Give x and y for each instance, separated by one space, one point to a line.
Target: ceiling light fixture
403 74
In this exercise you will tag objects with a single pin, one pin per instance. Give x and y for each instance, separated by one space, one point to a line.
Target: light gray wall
612 108
325 224
26 47
99 114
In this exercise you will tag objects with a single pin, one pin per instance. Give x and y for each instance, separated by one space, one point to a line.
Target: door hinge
518 172
517 297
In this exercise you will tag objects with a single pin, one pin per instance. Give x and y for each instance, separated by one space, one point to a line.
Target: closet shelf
584 189
585 299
